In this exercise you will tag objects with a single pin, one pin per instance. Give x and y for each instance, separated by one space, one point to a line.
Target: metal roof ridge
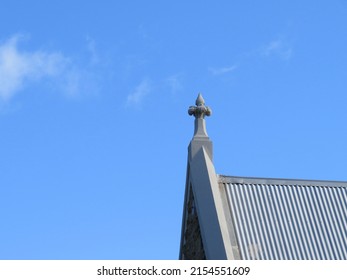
279 181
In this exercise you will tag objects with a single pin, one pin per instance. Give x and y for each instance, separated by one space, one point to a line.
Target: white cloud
278 48
18 68
222 70
174 82
136 97
91 46
72 82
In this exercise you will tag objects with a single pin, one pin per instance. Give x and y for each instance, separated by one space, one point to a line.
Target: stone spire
200 138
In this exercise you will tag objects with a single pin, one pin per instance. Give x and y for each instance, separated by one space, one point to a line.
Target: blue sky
93 113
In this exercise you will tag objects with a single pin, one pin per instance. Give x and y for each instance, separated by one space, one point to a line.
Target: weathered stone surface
200 110
193 248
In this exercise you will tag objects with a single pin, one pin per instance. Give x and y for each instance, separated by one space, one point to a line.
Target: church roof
287 219
228 217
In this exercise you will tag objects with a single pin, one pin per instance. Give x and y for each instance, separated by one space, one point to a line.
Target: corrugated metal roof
288 219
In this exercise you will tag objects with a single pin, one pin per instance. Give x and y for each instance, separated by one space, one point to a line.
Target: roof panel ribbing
288 219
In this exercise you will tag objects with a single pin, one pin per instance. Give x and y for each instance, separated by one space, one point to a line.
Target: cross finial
200 110
200 137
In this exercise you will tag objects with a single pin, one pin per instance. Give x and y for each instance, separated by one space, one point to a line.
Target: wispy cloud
20 68
222 70
141 90
174 82
91 47
278 48
17 68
